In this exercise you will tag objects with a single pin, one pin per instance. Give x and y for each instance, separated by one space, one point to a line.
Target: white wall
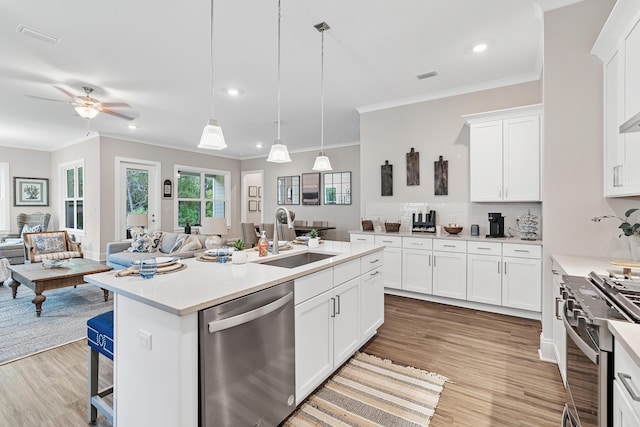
343 217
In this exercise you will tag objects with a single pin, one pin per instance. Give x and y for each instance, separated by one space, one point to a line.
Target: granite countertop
445 235
205 284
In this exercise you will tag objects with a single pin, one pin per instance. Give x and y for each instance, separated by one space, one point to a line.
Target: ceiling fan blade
66 92
115 104
113 113
48 99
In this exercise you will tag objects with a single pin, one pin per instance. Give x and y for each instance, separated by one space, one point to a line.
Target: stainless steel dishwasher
247 360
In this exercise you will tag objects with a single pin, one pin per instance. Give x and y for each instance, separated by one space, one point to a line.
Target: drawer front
484 248
346 271
450 245
417 243
522 251
627 374
362 238
371 261
314 284
390 241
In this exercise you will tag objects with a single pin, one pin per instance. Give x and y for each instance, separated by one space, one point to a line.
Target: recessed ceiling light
480 47
132 127
233 91
259 145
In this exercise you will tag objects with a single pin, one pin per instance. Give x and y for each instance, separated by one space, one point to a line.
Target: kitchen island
156 324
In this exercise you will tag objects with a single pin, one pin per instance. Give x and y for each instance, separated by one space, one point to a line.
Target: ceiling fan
88 107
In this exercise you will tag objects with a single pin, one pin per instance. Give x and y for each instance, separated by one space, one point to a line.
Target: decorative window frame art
30 191
253 191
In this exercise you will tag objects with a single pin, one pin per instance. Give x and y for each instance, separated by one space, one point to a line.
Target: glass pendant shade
212 137
86 112
322 163
278 153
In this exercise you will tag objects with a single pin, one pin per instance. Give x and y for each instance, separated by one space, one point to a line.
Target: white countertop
205 284
627 334
445 235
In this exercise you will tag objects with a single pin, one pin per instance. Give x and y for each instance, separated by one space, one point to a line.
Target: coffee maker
496 224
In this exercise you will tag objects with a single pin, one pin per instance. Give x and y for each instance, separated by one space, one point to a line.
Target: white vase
634 246
313 243
239 257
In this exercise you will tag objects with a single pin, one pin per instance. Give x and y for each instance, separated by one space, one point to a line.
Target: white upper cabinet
504 155
618 46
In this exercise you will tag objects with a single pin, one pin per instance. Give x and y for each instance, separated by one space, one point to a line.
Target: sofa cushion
192 243
145 242
49 243
35 229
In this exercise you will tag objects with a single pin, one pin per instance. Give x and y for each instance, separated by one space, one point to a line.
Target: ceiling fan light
278 153
322 164
86 111
212 137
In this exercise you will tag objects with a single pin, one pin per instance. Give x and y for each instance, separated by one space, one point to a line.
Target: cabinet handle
374 261
361 240
626 381
333 307
522 250
387 241
375 273
338 304
506 193
500 192
554 271
434 260
449 246
429 260
483 248
416 244
498 267
505 268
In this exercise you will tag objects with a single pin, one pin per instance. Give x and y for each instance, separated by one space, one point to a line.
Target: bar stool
100 340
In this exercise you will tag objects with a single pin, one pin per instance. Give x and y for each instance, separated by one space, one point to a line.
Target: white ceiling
155 56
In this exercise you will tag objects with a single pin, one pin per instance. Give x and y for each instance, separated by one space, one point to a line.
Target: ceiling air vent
427 75
39 35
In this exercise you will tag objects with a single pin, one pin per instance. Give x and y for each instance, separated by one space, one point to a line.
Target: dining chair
268 229
249 235
322 233
286 233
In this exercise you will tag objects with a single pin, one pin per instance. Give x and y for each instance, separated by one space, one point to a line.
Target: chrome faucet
276 224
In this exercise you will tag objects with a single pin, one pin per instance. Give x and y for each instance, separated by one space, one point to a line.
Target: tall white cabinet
504 155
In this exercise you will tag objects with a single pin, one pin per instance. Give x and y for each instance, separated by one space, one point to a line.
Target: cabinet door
631 107
522 283
371 302
361 238
559 333
484 279
521 151
314 343
613 117
623 413
392 268
450 274
346 321
485 161
417 271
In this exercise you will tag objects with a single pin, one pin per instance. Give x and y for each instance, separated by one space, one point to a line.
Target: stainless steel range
590 303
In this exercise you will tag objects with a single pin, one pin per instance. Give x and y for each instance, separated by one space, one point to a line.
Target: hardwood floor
491 360
496 378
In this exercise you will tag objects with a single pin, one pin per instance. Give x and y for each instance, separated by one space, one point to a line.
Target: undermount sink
297 260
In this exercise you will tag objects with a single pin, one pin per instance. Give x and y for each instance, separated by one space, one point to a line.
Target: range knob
571 303
577 313
582 322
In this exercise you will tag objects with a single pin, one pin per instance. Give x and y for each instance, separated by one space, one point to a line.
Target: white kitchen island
156 323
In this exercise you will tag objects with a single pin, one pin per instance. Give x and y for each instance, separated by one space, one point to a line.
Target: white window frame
64 167
203 172
5 199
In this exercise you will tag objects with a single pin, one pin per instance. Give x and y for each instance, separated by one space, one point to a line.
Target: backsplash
464 214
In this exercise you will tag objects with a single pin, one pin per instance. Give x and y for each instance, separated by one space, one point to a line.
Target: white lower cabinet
346 320
450 268
484 279
521 278
392 260
371 301
559 333
417 269
623 413
626 386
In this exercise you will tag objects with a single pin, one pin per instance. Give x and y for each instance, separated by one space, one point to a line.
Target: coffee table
41 279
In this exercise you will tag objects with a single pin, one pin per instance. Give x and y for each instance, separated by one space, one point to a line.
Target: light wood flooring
496 378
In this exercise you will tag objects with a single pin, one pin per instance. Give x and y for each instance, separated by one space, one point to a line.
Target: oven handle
583 346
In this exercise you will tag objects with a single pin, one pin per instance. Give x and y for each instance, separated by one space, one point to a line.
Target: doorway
252 196
137 192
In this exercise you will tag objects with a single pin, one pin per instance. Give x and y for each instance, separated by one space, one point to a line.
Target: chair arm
75 246
29 251
115 247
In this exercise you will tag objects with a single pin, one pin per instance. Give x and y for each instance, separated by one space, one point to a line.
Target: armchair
50 245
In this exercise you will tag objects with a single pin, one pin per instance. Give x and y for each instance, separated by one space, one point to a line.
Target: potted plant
239 256
627 229
314 241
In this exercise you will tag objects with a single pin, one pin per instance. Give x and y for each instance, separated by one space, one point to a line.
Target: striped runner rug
369 391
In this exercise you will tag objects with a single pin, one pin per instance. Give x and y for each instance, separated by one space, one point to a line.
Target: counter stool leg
93 383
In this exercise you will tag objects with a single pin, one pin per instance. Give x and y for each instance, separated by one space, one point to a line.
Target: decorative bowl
452 230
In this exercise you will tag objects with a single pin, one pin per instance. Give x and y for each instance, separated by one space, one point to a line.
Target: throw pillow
49 243
35 229
191 244
145 242
180 240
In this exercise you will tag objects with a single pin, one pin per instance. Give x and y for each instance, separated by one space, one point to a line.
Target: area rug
63 319
368 391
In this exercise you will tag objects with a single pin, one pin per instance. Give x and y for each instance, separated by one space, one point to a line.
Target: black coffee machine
496 225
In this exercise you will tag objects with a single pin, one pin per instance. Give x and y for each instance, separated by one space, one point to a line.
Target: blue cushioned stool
100 340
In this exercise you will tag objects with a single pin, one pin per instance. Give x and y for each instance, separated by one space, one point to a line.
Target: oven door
583 374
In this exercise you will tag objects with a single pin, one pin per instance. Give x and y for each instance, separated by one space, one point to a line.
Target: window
5 202
73 195
201 193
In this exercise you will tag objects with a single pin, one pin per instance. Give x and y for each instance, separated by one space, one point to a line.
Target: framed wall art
253 191
337 188
30 191
288 188
311 188
253 205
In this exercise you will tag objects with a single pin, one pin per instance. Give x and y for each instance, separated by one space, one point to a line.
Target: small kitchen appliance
424 223
475 230
496 224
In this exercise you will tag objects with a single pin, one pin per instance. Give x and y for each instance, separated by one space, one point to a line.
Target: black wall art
413 168
386 175
441 177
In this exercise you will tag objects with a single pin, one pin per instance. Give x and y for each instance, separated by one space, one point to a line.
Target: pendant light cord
211 63
322 94
279 15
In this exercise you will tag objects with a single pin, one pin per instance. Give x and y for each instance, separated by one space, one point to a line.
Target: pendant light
212 137
322 162
278 152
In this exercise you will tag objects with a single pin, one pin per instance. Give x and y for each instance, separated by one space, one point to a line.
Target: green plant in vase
238 244
313 234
